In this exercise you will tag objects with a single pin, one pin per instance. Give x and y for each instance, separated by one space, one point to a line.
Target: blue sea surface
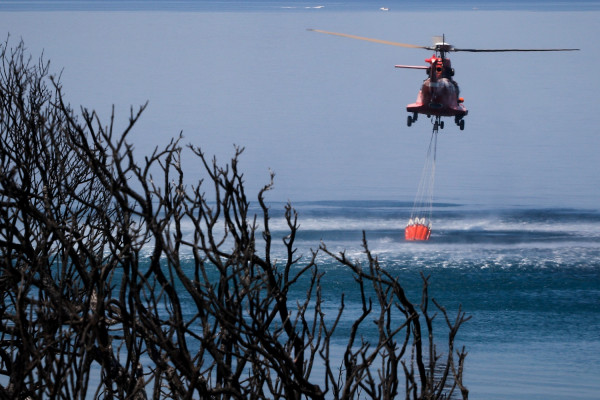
529 277
275 5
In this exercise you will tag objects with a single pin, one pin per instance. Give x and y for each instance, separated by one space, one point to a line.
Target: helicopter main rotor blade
413 46
442 46
507 50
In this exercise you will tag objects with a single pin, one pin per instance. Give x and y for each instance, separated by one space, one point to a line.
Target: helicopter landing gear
460 122
410 120
437 123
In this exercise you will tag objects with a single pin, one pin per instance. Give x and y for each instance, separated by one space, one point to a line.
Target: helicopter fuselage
439 98
440 95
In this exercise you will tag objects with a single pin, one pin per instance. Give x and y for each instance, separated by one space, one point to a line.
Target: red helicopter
440 95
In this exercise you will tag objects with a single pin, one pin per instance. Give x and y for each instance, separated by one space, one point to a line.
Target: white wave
467 224
386 238
340 224
498 225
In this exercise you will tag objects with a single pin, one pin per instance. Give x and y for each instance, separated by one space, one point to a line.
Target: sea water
516 225
529 277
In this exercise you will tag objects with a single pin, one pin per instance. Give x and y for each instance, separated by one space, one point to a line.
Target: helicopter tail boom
412 66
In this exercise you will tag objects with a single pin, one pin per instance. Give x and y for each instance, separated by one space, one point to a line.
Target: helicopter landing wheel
461 124
409 121
441 124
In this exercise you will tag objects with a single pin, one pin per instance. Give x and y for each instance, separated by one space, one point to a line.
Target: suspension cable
423 204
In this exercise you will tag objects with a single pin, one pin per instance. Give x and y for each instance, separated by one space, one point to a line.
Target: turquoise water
530 278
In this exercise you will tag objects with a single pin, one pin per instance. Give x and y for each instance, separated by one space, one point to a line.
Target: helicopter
439 95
